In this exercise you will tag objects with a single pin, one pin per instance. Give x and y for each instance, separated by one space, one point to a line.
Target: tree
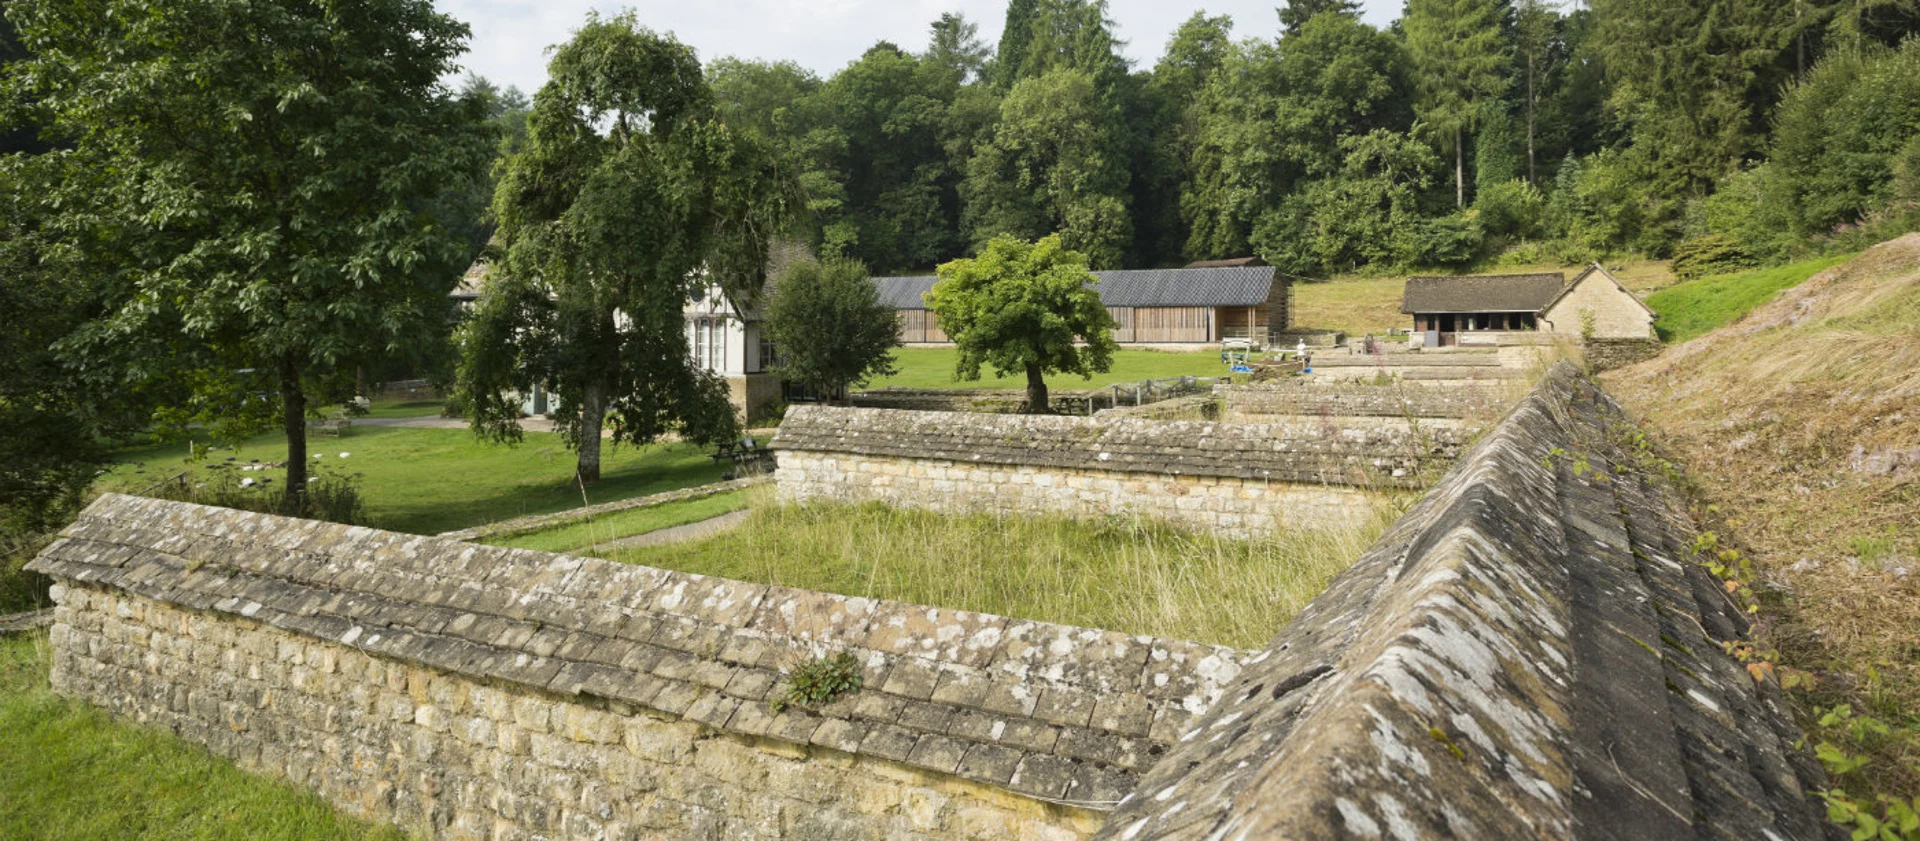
831 327
1534 31
1055 163
262 230
956 46
1016 38
1459 55
1024 307
1295 13
628 196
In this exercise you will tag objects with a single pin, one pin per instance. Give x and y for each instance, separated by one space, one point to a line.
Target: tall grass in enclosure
1131 575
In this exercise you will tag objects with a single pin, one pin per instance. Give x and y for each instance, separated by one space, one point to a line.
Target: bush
1709 255
1839 134
1511 209
333 498
1452 240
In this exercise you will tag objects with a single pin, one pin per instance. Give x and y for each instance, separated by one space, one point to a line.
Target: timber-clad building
1200 304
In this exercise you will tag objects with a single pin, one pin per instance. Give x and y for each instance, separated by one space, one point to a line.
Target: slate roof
1231 286
1482 293
1047 711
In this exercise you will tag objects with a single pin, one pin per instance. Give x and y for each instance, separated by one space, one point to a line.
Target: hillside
1800 424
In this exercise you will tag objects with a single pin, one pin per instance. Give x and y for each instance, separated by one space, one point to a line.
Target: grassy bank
1696 307
584 536
426 481
933 368
1126 575
1798 426
70 773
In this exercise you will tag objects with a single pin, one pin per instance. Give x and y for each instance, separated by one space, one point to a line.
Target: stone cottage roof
1223 286
1482 293
1048 711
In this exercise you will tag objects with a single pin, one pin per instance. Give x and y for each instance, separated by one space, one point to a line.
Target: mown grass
933 368
1700 306
1131 575
398 407
427 481
71 773
584 536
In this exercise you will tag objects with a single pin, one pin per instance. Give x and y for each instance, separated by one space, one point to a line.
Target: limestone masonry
1530 653
484 692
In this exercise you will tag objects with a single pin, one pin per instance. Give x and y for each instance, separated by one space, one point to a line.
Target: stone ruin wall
1392 406
1529 653
475 692
1236 480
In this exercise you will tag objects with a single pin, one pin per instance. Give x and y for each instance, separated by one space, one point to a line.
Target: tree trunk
1532 177
294 401
360 388
593 413
1036 392
1459 169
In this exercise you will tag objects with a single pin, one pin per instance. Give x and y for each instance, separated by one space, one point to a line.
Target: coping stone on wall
1046 711
1530 653
1359 457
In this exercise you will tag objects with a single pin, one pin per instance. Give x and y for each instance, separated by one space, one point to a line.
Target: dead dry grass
1800 425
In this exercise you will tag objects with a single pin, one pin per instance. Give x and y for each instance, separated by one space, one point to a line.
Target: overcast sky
510 37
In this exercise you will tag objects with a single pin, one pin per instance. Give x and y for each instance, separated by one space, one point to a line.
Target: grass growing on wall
427 481
1133 576
582 536
1697 307
68 772
933 368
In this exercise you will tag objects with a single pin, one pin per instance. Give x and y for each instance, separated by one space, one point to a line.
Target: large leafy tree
1460 56
628 195
248 182
1024 307
831 327
1055 163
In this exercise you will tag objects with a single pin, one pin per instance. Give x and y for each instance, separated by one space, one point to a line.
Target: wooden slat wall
920 327
1122 323
1173 324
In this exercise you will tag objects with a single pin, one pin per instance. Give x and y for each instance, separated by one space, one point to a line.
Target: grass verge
427 481
1699 306
1135 576
933 368
584 536
68 772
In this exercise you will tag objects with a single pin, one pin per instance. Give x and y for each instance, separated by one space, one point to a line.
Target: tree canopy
1024 307
830 327
247 182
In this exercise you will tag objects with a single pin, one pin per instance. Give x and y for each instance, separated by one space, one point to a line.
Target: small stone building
1198 305
1472 309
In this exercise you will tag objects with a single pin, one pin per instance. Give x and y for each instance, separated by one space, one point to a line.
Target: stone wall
1242 480
1443 407
1608 354
1530 653
480 692
1231 507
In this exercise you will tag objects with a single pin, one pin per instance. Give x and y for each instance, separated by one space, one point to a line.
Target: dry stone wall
481 692
1433 407
1235 479
1530 653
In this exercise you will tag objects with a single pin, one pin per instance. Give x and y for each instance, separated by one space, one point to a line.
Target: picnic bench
334 425
749 457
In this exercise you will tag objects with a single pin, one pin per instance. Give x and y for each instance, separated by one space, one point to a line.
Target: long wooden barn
1201 304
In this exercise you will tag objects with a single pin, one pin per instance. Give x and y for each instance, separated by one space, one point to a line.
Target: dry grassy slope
1801 423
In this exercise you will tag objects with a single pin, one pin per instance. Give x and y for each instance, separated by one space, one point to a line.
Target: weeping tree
627 196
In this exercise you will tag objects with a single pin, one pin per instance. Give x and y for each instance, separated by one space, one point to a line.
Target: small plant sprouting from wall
819 681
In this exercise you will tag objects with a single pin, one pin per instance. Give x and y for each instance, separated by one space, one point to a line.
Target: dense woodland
1721 132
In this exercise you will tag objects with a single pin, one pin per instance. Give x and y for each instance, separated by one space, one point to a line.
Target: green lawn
933 368
427 481
1700 306
69 772
1134 576
627 524
403 408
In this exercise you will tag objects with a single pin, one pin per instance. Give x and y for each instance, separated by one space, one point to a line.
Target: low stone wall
1530 653
1199 407
542 522
1255 403
984 401
1241 480
480 692
1608 354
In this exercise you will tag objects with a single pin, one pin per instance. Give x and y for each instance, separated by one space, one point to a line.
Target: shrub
1709 255
1511 209
1838 134
330 497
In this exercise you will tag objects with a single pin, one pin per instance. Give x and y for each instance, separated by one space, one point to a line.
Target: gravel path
681 534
